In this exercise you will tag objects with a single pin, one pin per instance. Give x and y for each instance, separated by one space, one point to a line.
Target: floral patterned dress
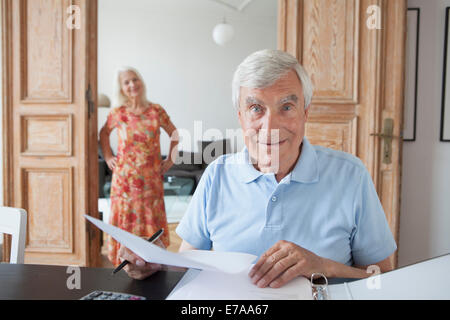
137 193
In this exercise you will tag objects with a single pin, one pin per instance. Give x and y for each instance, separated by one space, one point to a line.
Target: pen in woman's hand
152 239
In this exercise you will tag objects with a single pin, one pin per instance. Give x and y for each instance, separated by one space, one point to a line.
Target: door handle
387 137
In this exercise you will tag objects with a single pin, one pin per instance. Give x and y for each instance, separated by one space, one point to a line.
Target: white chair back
13 221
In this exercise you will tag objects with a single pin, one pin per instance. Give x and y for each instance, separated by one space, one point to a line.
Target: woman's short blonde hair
119 99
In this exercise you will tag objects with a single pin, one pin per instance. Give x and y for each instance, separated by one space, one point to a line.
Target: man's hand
284 262
137 268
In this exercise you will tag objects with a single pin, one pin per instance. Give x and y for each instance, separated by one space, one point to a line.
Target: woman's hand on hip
165 166
111 162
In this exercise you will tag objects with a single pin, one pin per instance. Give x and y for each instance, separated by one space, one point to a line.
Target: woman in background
137 193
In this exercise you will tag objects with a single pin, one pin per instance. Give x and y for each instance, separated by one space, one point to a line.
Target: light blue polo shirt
327 205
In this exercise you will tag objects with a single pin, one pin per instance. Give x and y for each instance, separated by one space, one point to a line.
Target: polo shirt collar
248 172
306 169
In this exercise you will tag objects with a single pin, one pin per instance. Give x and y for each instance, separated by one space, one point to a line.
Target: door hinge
89 101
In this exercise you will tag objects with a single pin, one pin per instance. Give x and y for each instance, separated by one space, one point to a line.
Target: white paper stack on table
213 275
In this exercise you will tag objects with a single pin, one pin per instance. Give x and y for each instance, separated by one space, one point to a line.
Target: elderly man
301 209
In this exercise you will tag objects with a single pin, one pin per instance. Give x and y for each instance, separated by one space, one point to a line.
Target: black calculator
108 295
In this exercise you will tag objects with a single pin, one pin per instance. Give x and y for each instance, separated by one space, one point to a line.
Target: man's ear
306 114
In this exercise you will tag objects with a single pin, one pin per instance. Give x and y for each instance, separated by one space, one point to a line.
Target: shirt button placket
274 212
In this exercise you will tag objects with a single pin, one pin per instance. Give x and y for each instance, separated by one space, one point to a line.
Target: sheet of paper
233 262
208 285
228 262
426 280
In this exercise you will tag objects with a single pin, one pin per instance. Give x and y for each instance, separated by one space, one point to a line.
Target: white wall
170 43
425 209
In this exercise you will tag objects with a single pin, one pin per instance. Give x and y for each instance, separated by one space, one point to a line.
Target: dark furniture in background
104 176
193 164
189 164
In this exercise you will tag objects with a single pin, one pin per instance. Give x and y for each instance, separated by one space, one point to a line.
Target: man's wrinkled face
273 120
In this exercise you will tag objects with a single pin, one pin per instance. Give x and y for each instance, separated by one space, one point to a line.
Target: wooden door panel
46 135
333 133
51 173
48 199
46 69
330 42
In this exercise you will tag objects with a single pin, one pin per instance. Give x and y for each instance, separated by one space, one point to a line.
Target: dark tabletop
43 282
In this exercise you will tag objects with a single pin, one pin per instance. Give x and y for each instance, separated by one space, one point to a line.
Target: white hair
119 99
263 68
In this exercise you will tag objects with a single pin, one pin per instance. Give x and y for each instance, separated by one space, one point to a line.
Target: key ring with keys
319 286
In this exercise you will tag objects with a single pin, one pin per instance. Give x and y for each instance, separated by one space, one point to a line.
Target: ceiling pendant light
223 33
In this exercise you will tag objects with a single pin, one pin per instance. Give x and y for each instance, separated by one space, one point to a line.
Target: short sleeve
164 119
193 226
372 239
112 119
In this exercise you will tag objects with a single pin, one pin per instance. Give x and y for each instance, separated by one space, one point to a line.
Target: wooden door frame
7 154
94 234
91 187
392 95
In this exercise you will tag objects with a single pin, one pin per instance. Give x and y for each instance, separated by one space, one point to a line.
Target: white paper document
233 262
210 285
